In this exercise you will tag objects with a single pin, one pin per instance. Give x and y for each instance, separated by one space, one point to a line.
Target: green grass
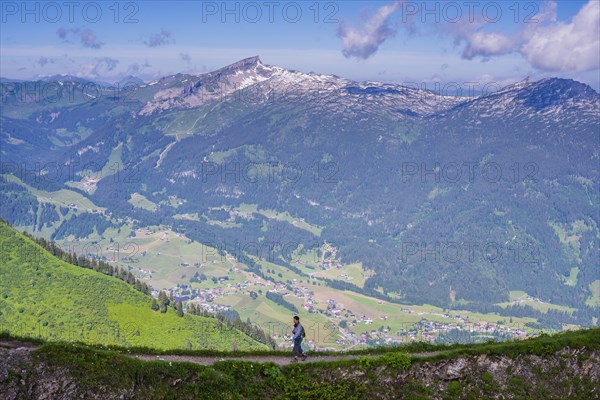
540 345
140 201
571 280
61 198
180 123
297 222
594 299
354 273
163 251
362 377
516 294
569 236
42 296
246 210
94 369
220 156
522 298
189 217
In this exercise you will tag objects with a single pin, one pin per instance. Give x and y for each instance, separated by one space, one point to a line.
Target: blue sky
392 41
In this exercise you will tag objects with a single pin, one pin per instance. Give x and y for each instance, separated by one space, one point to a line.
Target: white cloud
42 61
365 41
567 47
546 44
98 67
487 44
159 39
87 37
137 68
185 57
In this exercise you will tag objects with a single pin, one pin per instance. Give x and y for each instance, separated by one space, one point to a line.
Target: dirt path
210 360
279 360
16 344
206 360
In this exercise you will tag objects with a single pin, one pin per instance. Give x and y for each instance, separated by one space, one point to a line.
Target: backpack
303 334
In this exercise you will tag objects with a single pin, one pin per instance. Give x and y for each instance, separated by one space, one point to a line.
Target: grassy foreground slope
42 296
566 365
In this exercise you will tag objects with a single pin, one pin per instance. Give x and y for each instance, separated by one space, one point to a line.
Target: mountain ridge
266 84
254 62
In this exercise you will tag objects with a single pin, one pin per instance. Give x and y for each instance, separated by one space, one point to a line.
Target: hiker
298 333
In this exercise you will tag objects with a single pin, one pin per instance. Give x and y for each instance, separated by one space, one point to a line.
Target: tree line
230 320
278 299
100 266
164 300
234 322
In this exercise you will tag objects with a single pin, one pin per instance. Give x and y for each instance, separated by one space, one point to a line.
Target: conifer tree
163 301
154 305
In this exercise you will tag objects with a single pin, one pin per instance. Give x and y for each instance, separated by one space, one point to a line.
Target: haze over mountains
452 201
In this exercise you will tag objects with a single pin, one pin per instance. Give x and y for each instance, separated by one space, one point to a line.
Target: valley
348 200
384 237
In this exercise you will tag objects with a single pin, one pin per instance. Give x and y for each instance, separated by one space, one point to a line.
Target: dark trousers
297 347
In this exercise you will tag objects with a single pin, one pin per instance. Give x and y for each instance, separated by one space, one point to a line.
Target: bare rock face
558 375
498 367
455 369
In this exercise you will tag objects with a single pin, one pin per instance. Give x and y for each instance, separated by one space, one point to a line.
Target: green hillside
547 367
42 296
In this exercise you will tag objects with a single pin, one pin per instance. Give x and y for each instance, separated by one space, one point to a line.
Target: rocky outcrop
568 373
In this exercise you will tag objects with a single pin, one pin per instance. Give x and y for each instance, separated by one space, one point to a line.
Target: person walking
298 334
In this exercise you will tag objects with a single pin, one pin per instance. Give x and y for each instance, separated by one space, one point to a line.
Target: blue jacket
297 331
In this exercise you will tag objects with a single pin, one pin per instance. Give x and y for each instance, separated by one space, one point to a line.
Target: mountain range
446 200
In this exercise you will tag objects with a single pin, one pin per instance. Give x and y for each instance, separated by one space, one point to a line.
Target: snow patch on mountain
251 79
377 104
95 148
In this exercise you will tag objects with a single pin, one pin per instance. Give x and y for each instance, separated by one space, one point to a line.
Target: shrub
487 377
270 370
399 361
364 363
454 388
